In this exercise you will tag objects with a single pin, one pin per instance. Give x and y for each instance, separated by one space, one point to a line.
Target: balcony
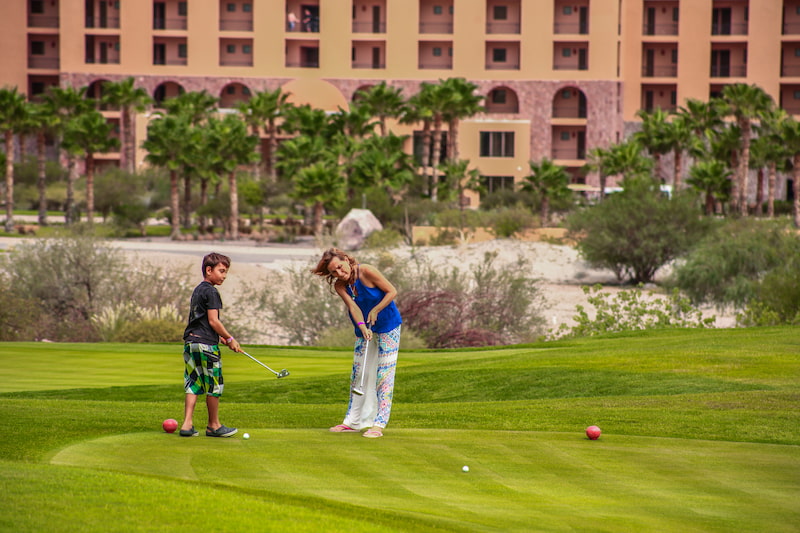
102 49
42 21
302 16
790 98
571 17
43 62
236 53
659 71
170 51
790 71
435 55
368 55
503 17
502 100
728 71
369 27
664 97
568 154
302 54
660 18
729 29
102 22
369 16
436 16
235 25
170 24
668 28
570 56
502 56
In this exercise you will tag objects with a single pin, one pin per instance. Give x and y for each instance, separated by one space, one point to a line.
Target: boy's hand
234 345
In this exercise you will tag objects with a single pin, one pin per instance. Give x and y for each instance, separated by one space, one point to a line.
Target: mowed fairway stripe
517 480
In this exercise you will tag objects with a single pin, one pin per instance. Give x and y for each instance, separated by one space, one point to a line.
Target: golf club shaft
260 363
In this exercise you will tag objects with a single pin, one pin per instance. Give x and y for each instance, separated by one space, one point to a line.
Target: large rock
355 227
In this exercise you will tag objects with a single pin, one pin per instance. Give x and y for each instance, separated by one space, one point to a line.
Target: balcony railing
236 62
502 108
575 28
302 63
430 66
564 111
436 27
568 153
368 64
102 22
793 109
369 27
42 21
570 67
728 29
659 71
502 27
666 28
170 24
790 71
725 71
43 62
791 28
236 25
180 61
508 65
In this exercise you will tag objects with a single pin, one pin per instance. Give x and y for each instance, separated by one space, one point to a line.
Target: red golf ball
170 425
593 432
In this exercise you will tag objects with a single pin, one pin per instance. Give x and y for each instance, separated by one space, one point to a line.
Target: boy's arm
219 328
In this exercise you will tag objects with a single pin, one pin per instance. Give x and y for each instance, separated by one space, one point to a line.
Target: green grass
699 434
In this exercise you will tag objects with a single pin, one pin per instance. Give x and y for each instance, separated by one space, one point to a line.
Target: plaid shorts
202 372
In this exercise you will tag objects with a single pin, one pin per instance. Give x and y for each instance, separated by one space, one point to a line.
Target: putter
360 389
282 374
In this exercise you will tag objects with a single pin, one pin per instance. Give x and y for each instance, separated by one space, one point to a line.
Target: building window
500 13
437 10
499 96
246 91
497 183
675 14
437 52
37 48
246 49
231 8
247 8
564 135
797 52
231 48
182 50
183 9
566 52
450 51
450 10
675 56
568 10
497 144
499 55
37 7
566 94
37 87
231 89
797 93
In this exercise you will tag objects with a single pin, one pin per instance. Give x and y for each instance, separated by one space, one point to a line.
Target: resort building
559 76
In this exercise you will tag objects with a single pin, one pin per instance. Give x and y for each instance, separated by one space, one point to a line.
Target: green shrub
386 238
508 222
629 311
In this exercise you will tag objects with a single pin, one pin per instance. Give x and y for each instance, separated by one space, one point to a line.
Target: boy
201 354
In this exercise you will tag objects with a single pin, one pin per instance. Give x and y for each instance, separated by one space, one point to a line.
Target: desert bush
157 330
629 310
386 238
73 277
446 308
728 267
20 318
507 222
637 231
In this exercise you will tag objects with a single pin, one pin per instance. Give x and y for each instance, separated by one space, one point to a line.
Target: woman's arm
373 278
353 309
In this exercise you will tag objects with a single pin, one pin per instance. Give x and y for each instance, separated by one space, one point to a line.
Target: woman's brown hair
322 267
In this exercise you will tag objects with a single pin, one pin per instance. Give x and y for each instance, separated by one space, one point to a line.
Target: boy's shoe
221 431
189 432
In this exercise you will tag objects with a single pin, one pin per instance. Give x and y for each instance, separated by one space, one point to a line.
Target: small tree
549 181
637 231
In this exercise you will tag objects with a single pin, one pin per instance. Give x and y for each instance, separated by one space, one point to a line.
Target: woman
369 299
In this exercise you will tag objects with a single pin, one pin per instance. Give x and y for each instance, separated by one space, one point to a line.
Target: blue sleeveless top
368 297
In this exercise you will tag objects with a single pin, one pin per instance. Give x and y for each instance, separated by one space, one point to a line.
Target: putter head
283 373
358 391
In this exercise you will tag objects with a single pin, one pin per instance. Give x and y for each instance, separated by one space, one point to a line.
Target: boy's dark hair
213 259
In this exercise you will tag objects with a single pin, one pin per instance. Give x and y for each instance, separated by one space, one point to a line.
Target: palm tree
549 181
12 115
435 97
129 99
382 162
701 116
680 138
65 104
459 178
791 138
462 103
319 185
711 177
382 102
45 125
195 106
745 103
654 136
86 135
414 112
232 147
167 138
260 113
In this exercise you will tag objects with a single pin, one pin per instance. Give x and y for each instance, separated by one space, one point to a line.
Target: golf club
282 374
360 389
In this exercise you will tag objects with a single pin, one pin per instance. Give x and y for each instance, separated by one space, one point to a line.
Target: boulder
355 227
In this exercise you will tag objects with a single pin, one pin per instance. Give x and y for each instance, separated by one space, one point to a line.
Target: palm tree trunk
90 188
72 177
545 210
437 154
260 151
452 140
272 146
744 163
710 203
657 167
187 200
41 182
318 209
796 187
676 180
234 205
129 144
203 201
734 202
174 200
426 153
771 179
9 138
760 192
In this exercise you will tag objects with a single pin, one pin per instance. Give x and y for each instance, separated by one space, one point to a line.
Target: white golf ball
465 468
246 436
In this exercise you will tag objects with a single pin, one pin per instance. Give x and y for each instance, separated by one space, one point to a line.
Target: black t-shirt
204 297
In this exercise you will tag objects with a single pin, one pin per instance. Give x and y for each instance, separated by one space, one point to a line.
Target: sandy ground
559 268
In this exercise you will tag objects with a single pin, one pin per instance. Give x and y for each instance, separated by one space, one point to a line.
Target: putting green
518 481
